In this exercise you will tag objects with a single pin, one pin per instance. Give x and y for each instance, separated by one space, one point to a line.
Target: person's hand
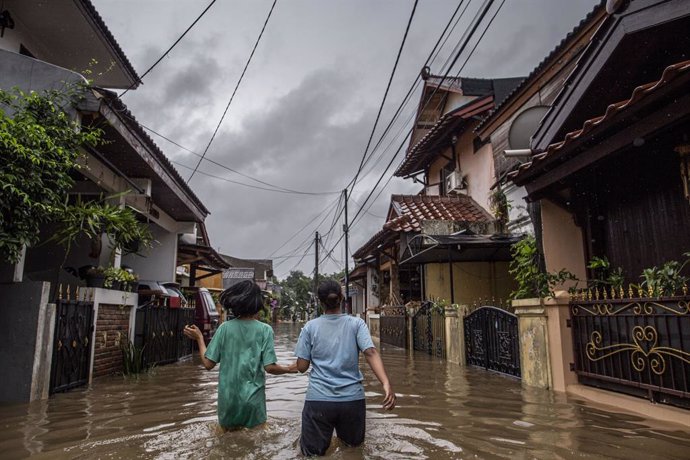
292 368
193 332
389 399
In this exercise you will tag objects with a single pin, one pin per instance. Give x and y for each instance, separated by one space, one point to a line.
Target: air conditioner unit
456 183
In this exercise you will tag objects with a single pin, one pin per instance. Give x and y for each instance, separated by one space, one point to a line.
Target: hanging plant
39 147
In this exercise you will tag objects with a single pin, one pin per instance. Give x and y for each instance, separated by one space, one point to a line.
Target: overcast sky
306 106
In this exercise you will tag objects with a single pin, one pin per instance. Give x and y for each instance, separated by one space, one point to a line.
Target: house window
445 172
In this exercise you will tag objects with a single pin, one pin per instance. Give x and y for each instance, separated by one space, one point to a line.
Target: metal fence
637 346
429 328
393 326
159 331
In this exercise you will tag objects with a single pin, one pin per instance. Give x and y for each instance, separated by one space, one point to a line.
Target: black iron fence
492 340
429 329
159 332
636 346
393 326
71 344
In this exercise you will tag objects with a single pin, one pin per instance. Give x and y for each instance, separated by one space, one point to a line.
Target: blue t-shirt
332 343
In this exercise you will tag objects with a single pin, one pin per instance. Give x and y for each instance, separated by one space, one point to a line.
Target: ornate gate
393 326
71 344
636 345
492 341
429 326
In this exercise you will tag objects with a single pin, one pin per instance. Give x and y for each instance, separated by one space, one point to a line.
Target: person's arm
303 365
374 360
194 333
277 369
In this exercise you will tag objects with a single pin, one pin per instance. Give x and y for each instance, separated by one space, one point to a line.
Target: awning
205 257
424 249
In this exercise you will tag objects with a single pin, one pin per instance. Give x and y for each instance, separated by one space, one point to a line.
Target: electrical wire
226 167
232 97
139 80
481 13
289 192
305 226
385 94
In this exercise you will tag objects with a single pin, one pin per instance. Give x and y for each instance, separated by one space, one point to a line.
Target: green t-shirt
243 348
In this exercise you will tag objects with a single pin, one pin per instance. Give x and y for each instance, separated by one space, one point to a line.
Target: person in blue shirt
330 344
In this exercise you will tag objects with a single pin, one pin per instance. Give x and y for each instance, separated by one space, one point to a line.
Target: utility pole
316 273
346 228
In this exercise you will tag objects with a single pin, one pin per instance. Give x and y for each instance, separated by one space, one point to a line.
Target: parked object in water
206 317
177 298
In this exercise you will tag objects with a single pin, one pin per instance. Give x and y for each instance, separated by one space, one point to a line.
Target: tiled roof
641 92
424 148
98 20
547 61
122 109
371 244
414 209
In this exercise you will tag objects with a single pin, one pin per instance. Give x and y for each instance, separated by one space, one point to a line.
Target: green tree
296 290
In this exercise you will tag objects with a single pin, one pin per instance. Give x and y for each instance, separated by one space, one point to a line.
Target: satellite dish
524 126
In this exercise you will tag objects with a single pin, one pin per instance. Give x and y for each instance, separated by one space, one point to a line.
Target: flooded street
443 412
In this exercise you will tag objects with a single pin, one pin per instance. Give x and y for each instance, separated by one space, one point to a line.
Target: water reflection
443 411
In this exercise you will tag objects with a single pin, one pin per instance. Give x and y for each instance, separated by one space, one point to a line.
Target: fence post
409 324
560 340
453 337
534 343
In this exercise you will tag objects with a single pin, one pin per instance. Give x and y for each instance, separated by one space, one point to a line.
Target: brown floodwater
444 411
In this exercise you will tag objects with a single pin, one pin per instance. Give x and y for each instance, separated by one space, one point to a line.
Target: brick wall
112 331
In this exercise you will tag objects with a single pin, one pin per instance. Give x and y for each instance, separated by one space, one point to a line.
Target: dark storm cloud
303 114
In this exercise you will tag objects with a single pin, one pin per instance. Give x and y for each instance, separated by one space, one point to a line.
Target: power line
436 49
227 107
139 80
224 166
385 94
481 13
225 179
305 226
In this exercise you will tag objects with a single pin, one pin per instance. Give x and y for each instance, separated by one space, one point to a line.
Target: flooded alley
443 411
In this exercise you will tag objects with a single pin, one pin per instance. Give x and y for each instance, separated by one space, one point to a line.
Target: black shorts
320 418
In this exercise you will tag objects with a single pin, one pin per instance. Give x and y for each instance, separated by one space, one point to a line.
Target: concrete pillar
534 345
453 336
462 312
395 285
560 340
409 324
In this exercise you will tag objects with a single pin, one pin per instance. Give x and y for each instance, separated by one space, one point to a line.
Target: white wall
372 280
519 220
160 261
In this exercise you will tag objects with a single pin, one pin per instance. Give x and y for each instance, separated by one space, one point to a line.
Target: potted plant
95 277
129 280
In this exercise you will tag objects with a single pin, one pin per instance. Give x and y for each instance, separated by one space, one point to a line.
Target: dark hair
330 294
244 298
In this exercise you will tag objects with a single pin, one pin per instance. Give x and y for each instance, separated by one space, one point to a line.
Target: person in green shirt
244 349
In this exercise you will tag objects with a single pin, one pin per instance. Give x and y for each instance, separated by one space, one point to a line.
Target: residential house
509 126
44 46
609 166
443 243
